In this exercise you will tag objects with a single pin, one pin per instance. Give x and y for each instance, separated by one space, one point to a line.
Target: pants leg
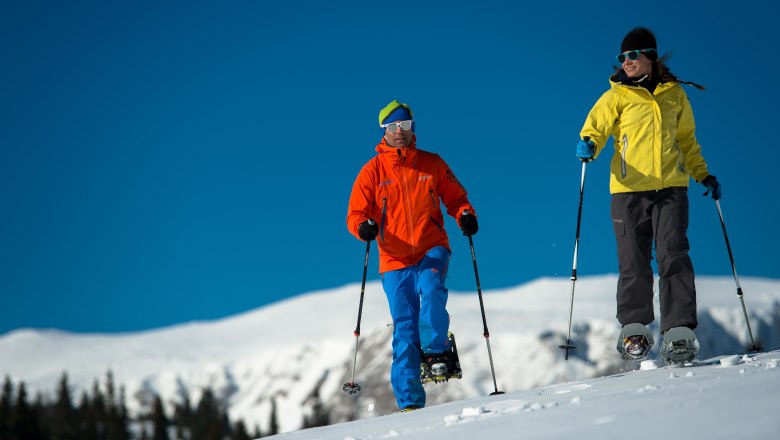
434 319
404 302
677 290
634 235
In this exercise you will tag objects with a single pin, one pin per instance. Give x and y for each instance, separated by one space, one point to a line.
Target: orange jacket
400 189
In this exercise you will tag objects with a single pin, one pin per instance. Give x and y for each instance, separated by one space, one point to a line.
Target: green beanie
398 111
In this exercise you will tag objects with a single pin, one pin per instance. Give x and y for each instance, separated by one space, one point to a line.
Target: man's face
399 138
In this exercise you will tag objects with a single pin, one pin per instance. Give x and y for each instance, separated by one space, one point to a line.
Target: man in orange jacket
400 190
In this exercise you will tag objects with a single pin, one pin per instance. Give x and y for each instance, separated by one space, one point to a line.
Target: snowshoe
634 342
680 346
441 367
409 408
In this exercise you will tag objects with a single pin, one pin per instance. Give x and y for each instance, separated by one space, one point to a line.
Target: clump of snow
648 365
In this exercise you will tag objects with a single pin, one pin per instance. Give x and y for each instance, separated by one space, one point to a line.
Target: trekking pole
568 345
351 387
485 333
753 347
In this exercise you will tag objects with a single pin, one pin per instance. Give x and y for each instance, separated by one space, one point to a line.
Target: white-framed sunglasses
394 126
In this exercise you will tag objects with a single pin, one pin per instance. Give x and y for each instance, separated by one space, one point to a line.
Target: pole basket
351 388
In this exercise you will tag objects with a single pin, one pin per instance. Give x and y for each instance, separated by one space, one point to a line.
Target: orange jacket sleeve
362 204
453 193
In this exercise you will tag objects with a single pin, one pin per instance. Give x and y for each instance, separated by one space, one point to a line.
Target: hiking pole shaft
352 387
485 333
568 345
753 347
362 288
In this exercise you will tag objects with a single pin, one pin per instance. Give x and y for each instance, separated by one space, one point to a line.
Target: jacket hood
621 78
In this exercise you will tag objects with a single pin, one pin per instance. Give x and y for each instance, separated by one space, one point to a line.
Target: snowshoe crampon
634 342
680 346
635 347
441 367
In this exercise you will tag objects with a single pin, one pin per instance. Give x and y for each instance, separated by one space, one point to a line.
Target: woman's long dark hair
665 75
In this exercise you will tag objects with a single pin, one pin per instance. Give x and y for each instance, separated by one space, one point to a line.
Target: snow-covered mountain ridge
299 352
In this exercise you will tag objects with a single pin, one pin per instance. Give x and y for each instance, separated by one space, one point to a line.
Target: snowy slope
734 399
299 352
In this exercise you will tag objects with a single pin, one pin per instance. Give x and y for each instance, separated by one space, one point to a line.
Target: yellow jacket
655 139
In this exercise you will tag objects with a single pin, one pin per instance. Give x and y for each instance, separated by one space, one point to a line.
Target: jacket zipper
405 190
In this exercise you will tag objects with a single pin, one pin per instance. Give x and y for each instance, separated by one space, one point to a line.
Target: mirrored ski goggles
394 126
632 55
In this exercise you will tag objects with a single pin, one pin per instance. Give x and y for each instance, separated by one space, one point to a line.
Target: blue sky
165 162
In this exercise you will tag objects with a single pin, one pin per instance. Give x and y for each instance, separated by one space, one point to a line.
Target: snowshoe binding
680 346
634 342
441 367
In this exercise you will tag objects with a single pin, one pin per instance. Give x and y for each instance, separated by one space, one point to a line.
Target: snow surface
736 398
299 351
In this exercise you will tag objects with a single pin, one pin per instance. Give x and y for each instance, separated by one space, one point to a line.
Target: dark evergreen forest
102 415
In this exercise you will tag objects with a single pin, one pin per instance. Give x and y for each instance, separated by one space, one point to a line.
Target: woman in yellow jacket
647 113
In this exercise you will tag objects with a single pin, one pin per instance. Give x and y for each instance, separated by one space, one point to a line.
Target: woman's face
639 67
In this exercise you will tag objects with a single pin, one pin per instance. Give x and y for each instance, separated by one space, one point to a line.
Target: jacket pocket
384 219
680 159
436 215
619 211
623 157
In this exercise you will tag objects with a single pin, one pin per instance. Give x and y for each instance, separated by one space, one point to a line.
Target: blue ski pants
418 300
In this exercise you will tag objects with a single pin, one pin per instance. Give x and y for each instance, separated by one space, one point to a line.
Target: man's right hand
368 230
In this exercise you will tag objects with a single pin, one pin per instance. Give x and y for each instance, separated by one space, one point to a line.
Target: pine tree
43 412
208 420
257 433
182 417
123 415
116 412
273 424
239 432
159 421
88 421
99 410
63 415
318 416
24 424
6 408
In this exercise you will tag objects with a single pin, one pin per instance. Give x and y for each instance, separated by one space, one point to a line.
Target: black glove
468 224
368 230
713 187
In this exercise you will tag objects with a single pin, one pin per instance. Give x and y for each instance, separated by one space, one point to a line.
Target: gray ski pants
639 218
